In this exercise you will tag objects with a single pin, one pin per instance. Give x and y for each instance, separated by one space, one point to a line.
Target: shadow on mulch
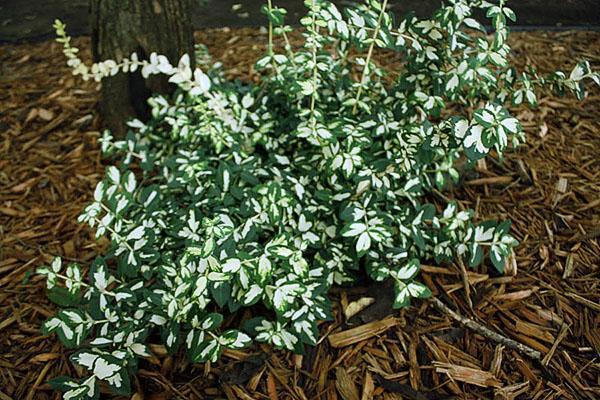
549 188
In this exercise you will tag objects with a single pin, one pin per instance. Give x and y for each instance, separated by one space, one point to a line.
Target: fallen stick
483 331
493 180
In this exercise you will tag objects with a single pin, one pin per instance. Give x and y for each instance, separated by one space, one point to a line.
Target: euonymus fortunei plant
234 194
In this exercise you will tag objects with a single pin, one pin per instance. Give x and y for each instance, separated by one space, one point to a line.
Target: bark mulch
548 301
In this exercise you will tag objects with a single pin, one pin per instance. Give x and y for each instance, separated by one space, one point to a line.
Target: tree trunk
121 27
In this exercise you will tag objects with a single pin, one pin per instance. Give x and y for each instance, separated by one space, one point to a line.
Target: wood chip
345 385
561 335
368 387
468 375
360 333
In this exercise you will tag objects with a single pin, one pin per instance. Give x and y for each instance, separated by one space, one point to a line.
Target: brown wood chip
468 375
362 332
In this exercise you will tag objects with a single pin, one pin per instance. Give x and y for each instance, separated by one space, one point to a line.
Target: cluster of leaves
234 195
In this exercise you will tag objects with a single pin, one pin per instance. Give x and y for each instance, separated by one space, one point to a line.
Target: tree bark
121 27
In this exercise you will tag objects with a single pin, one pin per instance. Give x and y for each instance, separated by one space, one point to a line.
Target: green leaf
363 243
484 118
402 298
476 255
234 339
252 295
510 14
498 258
130 182
220 292
56 264
114 175
353 229
232 265
62 297
209 350
419 290
211 322
75 390
409 270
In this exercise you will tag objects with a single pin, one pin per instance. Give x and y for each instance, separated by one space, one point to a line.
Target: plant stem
109 211
369 55
270 45
288 46
115 234
314 60
66 278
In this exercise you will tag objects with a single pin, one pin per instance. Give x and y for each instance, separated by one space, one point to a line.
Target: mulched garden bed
549 300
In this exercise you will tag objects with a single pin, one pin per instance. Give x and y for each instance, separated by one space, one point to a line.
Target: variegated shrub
233 195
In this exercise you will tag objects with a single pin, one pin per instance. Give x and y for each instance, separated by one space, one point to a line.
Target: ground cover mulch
549 299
